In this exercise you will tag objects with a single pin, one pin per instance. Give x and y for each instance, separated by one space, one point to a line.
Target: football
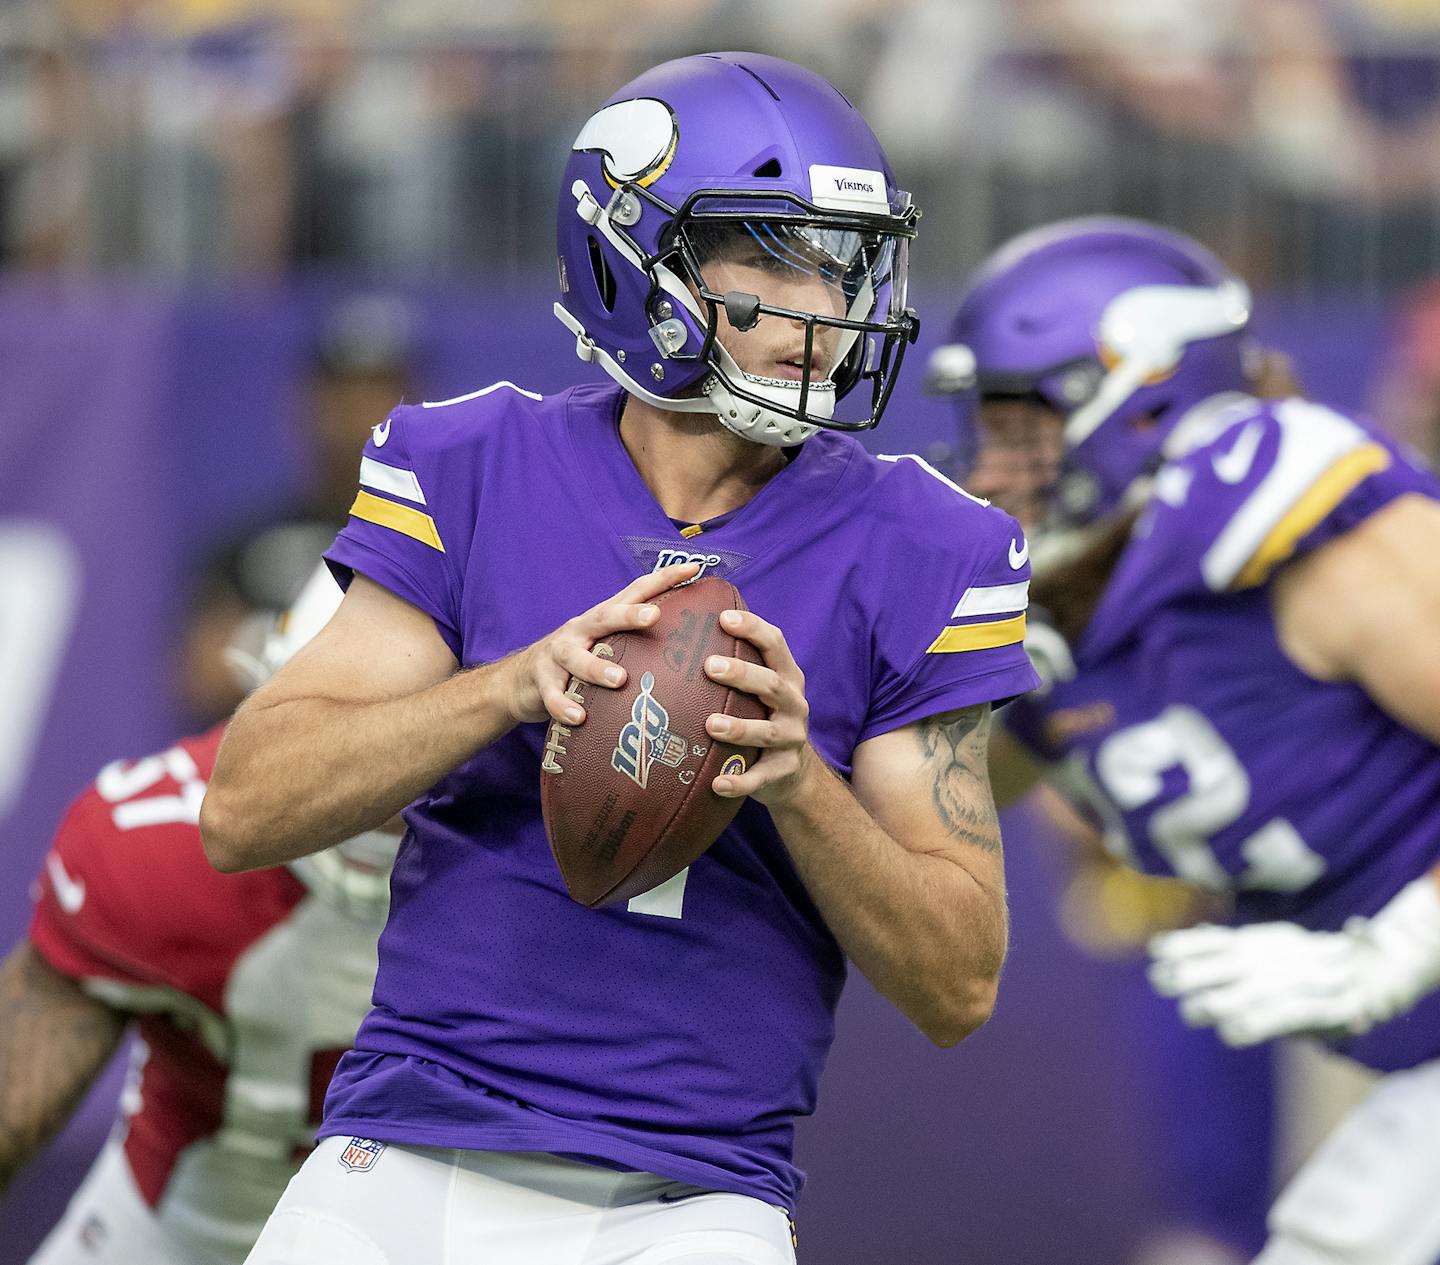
626 794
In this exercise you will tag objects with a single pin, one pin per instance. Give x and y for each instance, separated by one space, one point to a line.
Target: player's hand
538 677
784 736
1276 979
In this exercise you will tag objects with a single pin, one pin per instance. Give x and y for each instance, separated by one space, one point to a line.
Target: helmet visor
836 274
840 278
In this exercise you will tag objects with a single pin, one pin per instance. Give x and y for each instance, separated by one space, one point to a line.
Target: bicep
1365 608
54 1040
376 646
927 784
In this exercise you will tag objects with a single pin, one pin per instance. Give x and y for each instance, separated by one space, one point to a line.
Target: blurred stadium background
228 228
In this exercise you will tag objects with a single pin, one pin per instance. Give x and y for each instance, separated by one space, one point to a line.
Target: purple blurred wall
137 427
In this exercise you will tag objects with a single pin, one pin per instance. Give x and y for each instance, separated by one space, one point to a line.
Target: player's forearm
926 930
297 775
54 1039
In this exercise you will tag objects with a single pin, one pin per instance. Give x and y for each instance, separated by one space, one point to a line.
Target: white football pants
413 1205
108 1223
1370 1195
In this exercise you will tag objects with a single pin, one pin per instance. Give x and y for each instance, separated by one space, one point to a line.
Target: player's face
804 270
1019 459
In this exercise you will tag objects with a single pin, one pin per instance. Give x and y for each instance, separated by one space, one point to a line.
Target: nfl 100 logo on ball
648 738
627 795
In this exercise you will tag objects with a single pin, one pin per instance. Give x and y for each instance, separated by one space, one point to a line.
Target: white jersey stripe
993 599
1312 438
475 395
391 479
897 457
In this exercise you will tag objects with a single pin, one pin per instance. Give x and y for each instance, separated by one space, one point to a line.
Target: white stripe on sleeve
993 599
392 479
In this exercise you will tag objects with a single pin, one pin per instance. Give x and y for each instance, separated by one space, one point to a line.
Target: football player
241 991
544 1081
1243 675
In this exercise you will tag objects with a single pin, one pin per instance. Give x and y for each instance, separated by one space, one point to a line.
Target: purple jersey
1205 751
683 1033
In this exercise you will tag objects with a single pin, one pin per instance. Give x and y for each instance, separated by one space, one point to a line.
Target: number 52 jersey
683 1033
1204 750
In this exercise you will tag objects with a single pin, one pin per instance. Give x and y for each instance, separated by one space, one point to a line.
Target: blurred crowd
198 138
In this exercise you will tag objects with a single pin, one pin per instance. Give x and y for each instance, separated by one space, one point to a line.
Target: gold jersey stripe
401 518
1322 496
692 531
1003 632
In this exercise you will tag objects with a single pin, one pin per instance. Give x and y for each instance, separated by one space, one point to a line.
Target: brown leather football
626 794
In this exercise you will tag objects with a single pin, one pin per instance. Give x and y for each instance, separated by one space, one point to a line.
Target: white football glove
1273 979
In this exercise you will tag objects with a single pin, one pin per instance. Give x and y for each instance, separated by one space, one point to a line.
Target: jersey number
665 901
125 785
1132 765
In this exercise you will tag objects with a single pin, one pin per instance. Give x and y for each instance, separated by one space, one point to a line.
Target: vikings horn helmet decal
636 140
736 157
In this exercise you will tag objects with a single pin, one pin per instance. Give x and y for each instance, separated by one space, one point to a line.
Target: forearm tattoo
954 746
53 1042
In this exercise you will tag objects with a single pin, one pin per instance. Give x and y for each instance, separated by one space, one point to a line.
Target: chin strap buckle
586 207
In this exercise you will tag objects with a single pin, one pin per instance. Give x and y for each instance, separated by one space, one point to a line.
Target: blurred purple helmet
1118 325
701 156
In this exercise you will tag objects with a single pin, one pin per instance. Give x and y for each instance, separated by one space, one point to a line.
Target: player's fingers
613 617
1171 978
764 683
589 667
1242 1033
653 583
733 785
561 703
1203 1009
746 733
1261 999
1252 1026
1192 942
765 637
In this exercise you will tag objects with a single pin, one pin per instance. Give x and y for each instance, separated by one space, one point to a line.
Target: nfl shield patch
360 1154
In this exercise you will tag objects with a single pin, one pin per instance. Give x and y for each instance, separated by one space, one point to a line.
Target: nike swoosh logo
675 1197
1234 465
381 433
68 891
1019 557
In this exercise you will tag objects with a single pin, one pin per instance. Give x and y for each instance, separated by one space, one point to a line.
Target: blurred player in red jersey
242 991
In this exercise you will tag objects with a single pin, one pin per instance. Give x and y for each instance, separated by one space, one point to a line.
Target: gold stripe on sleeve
1003 632
401 518
1319 499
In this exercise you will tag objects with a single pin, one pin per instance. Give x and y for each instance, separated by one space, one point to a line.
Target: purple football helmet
712 157
1117 325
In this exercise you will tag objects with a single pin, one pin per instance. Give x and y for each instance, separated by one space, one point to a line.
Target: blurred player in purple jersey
1243 675
539 1081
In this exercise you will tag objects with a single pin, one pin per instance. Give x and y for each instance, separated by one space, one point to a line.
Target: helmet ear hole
768 170
604 278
